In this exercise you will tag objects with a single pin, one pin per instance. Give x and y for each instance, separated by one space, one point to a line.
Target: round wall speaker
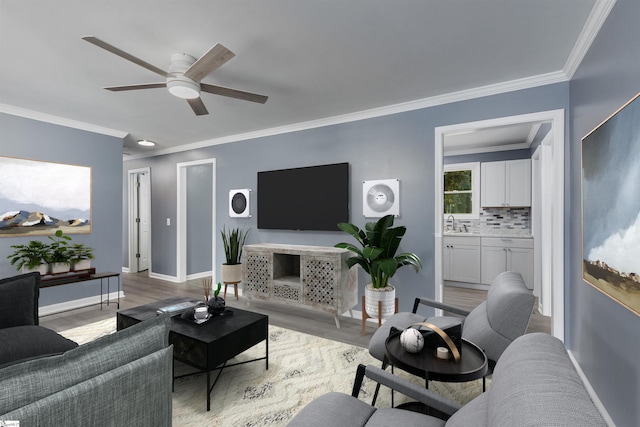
239 203
380 198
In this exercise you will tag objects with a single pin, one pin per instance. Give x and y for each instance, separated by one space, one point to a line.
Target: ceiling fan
184 76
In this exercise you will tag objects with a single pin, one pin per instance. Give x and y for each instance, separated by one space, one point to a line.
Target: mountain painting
611 206
38 198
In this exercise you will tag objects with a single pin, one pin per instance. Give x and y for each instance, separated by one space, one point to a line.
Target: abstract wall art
611 206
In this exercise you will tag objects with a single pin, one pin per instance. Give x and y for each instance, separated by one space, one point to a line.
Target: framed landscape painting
611 206
39 198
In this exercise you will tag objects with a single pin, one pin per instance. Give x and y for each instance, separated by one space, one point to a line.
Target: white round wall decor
381 197
239 203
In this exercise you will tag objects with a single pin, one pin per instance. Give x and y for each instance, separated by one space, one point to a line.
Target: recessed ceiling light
146 143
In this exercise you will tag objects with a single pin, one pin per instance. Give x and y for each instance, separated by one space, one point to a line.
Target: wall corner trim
591 391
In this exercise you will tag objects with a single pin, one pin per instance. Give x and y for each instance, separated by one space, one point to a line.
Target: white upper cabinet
506 183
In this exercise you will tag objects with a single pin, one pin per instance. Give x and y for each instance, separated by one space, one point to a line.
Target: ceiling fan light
183 88
146 143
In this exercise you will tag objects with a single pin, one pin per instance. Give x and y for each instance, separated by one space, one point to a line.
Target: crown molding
494 89
61 121
598 15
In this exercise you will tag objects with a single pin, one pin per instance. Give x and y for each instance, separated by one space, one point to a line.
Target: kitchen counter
498 234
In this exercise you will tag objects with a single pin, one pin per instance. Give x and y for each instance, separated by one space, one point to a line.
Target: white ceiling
319 61
498 138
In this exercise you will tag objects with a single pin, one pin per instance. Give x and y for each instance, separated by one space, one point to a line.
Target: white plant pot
231 273
42 269
83 264
386 295
59 267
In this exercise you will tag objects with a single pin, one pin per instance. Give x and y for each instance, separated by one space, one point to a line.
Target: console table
315 277
49 280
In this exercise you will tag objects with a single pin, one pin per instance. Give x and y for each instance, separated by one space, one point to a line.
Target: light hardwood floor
140 289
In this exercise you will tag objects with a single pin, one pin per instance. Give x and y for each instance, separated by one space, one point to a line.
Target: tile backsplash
498 220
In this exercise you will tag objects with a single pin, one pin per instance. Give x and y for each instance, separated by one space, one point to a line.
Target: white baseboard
125 269
199 275
78 303
164 277
591 391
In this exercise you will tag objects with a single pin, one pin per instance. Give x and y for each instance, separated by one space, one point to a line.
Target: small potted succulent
80 256
216 304
30 257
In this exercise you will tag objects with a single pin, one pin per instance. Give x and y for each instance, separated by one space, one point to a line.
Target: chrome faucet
453 222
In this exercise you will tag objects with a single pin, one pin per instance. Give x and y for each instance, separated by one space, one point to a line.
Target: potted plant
59 254
30 257
233 241
80 256
216 304
379 242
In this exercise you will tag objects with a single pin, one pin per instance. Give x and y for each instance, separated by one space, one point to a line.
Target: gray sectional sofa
122 379
534 384
21 338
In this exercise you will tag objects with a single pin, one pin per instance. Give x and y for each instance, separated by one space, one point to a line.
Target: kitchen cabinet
461 258
506 183
507 254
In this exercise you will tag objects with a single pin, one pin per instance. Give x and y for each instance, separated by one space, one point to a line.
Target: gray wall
604 336
36 140
199 217
396 146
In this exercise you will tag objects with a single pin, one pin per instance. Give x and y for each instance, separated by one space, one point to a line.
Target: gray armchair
534 384
492 325
21 336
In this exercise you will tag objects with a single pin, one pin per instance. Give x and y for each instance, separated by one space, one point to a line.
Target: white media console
310 276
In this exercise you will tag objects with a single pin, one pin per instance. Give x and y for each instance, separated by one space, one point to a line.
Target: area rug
301 368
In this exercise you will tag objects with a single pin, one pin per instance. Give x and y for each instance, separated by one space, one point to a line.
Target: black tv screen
308 198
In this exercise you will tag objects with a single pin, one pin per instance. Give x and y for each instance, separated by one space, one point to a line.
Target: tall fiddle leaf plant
379 242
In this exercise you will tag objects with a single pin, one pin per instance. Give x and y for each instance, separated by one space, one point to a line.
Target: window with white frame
462 190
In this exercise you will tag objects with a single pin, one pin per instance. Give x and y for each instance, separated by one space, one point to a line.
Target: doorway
552 226
139 220
191 239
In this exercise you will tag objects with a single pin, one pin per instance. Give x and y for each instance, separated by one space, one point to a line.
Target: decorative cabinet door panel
319 280
257 275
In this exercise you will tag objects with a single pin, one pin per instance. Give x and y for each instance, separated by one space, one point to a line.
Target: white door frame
556 118
131 216
542 212
181 225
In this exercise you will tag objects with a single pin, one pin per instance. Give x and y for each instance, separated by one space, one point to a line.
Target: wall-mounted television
306 198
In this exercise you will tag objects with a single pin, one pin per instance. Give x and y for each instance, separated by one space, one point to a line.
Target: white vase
386 295
231 273
83 264
42 269
59 267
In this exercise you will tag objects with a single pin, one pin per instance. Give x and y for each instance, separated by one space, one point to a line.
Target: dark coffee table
208 346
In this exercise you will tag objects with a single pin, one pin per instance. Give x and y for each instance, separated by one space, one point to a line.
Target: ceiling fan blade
233 93
106 46
210 61
136 87
198 106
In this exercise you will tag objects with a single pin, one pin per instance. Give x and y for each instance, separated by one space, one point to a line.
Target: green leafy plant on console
31 255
